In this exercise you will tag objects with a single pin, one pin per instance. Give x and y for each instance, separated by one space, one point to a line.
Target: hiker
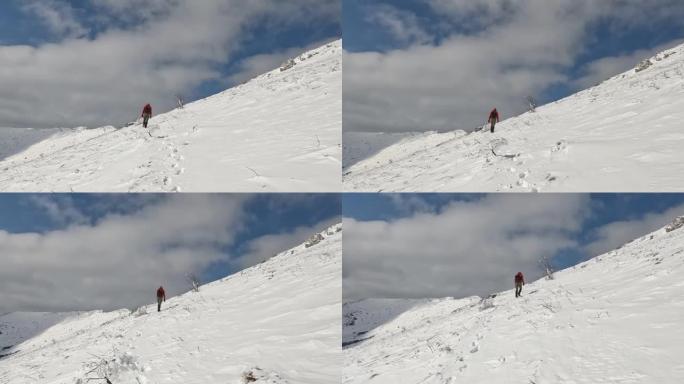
519 282
146 114
493 119
161 296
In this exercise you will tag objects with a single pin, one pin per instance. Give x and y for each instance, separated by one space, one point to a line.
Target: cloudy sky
77 252
438 245
66 63
441 65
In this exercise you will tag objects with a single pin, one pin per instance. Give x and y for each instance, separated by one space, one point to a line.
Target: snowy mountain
616 318
277 322
623 134
278 132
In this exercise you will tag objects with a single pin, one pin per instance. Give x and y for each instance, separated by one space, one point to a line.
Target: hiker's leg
492 127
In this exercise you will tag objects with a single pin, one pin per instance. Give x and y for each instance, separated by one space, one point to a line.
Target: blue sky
129 242
206 46
549 50
480 237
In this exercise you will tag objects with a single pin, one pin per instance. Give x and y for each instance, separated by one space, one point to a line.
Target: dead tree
545 264
194 281
531 104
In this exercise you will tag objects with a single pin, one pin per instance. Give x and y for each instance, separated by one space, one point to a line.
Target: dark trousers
492 126
146 118
518 290
159 301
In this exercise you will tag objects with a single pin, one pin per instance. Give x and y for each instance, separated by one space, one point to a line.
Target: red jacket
147 109
519 278
161 294
494 114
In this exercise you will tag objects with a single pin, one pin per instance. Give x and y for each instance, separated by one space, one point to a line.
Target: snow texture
622 135
280 132
615 318
277 322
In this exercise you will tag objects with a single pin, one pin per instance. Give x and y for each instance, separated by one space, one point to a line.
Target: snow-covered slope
622 135
278 322
616 318
278 132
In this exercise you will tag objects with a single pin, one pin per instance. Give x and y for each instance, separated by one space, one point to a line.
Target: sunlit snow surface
616 318
279 320
625 134
279 132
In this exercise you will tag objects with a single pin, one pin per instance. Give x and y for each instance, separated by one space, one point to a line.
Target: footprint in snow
561 145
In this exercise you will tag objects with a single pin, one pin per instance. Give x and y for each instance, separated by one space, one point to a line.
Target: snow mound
279 132
676 224
621 135
279 320
613 319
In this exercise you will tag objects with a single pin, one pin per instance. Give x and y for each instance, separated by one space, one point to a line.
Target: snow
613 319
277 322
622 135
280 132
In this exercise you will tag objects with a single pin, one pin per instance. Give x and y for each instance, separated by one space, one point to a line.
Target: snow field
277 322
280 132
613 319
621 135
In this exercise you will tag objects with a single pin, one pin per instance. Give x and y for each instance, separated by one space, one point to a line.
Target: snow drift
613 319
277 322
278 132
622 135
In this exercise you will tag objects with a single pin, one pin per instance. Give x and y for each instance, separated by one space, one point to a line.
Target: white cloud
61 209
436 254
134 10
57 16
475 13
402 25
176 46
121 259
616 234
513 50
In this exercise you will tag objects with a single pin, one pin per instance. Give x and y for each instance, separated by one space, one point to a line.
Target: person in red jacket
493 119
161 296
146 114
519 282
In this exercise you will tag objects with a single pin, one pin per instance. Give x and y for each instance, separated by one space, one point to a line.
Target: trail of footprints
522 175
170 164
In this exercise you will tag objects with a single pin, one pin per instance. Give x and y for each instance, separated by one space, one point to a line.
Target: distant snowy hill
622 135
278 132
277 322
616 318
